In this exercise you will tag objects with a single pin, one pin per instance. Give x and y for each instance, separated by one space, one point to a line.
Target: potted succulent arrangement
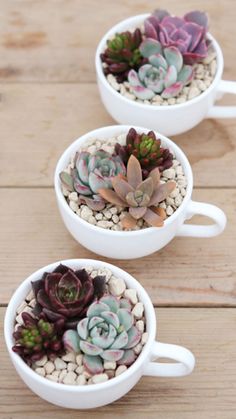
81 333
124 192
151 68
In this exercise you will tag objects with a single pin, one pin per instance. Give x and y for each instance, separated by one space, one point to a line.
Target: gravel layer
110 217
69 368
204 74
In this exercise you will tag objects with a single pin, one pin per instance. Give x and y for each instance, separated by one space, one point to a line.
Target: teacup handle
225 86
211 211
184 364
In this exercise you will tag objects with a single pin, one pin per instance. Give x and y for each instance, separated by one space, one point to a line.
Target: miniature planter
184 106
138 243
90 391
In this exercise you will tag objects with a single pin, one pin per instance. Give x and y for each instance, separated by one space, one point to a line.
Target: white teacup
95 395
170 120
135 244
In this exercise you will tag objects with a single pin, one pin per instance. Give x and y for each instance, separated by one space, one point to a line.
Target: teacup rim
70 151
24 286
102 78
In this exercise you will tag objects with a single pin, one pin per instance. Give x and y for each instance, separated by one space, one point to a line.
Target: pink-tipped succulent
65 294
37 337
92 172
141 197
106 334
147 149
187 33
164 74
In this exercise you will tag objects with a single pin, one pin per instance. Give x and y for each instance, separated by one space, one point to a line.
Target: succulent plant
37 337
92 172
164 74
122 54
187 33
65 294
147 149
141 197
107 333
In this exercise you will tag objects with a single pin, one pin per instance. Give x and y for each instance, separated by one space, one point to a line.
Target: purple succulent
65 294
187 33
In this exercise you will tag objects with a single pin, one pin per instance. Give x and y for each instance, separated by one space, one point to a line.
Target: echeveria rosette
92 172
107 333
164 74
38 337
65 294
187 33
141 197
122 54
147 149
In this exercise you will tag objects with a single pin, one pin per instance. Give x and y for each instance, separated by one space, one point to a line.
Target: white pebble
52 378
193 92
49 367
130 96
41 362
86 213
162 205
169 210
144 338
138 310
98 216
59 364
71 366
109 365
73 196
174 193
19 319
183 192
179 170
111 79
92 149
213 67
30 296
62 375
80 369
69 357
87 374
104 224
140 325
201 85
138 348
81 380
40 371
115 218
73 206
99 378
107 214
131 294
32 303
92 220
172 101
65 191
56 373
169 173
170 201
120 370
70 378
21 307
113 210
181 99
178 200
116 286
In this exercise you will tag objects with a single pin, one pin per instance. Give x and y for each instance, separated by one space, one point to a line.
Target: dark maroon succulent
66 294
187 33
38 337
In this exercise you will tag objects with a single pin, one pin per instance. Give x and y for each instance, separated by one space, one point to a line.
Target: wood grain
208 393
39 121
56 40
186 272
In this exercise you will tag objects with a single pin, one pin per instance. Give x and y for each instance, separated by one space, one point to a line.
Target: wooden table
48 98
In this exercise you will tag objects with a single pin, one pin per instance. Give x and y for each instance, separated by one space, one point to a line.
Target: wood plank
188 272
208 393
56 41
39 121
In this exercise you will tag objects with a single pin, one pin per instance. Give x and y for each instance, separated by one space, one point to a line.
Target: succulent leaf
128 358
71 341
149 47
93 364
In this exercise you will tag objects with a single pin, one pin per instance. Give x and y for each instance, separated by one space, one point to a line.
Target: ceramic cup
95 395
169 120
135 244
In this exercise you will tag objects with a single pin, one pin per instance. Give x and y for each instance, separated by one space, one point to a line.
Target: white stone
21 307
117 227
92 220
115 218
193 92
30 296
178 200
62 375
120 370
104 224
73 206
179 170
174 193
59 364
69 357
201 85
99 216
113 210
169 173
87 374
52 378
140 325
181 99
138 348
56 373
213 67
92 149
70 378
170 201
71 366
73 196
131 294
108 214
111 79
162 205
86 213
109 365
80 369
169 210
116 286
19 319
138 310
105 272
108 148
41 362
40 371
171 101
81 380
49 367
144 338
183 192
32 303
99 378
130 96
